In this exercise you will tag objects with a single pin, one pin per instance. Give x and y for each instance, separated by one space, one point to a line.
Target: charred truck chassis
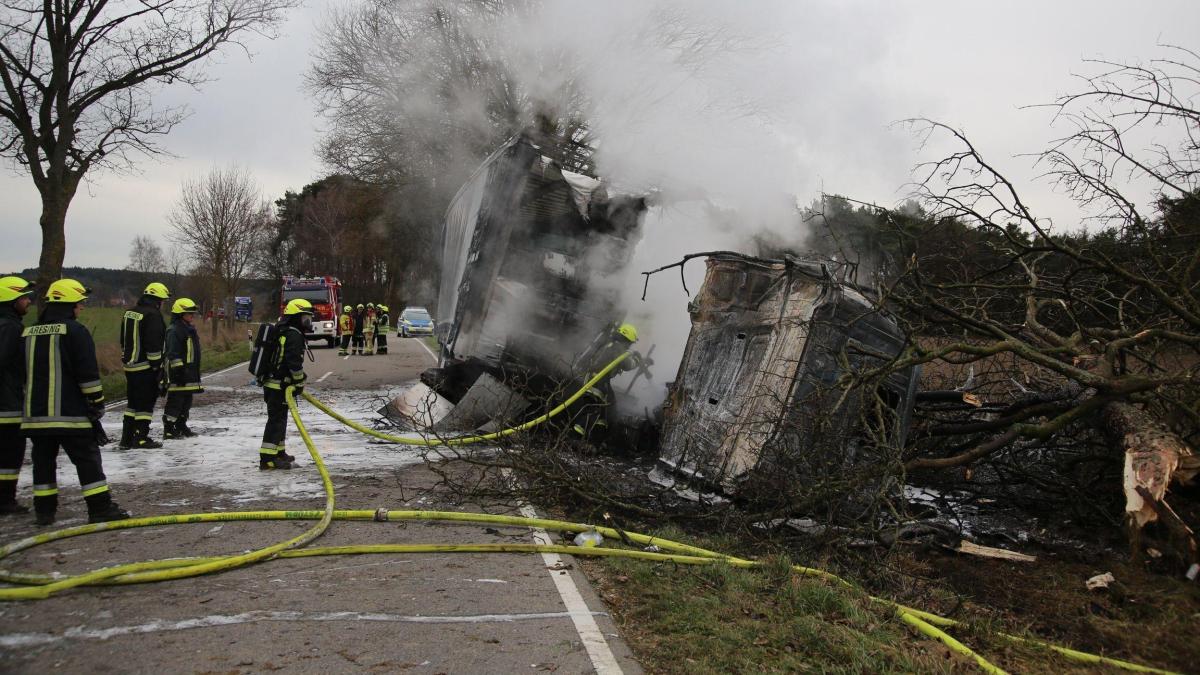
522 240
759 392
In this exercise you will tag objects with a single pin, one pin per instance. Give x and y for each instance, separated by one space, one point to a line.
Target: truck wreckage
524 246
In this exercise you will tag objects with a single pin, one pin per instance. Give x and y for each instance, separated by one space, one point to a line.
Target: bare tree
1071 334
145 255
222 219
78 76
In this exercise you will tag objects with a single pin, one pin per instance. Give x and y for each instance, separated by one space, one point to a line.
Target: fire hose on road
40 586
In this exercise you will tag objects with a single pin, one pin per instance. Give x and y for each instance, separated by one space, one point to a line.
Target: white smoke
716 107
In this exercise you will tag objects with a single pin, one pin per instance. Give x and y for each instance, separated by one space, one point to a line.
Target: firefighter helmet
347 309
157 290
184 306
67 290
12 288
383 307
628 331
298 306
360 305
370 305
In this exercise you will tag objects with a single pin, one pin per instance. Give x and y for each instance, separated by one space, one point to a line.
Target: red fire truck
325 294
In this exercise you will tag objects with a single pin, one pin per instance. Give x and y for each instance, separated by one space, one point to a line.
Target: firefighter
360 317
64 402
182 354
15 297
590 418
369 329
383 325
142 333
346 326
288 370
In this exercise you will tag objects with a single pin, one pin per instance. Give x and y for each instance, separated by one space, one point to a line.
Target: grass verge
719 619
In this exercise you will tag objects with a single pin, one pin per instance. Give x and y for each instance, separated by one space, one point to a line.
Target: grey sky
970 64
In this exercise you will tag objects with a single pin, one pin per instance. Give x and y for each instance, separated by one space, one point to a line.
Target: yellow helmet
184 306
67 290
347 309
383 307
12 288
157 290
360 305
628 331
370 305
298 306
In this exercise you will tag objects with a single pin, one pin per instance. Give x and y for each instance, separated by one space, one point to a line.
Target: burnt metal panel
769 341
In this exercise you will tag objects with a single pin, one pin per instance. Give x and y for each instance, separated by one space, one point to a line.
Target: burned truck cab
526 248
783 377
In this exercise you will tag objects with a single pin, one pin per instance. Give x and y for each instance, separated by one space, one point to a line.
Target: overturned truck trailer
760 392
524 246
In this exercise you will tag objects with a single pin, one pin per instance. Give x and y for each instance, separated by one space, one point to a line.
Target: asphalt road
434 613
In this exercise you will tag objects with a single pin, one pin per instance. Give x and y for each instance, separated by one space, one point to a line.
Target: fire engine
325 294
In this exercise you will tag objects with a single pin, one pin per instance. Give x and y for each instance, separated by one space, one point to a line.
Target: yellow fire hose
39 586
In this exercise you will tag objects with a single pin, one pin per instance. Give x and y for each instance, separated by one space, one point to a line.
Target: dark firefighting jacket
360 320
142 333
288 367
62 379
12 365
182 353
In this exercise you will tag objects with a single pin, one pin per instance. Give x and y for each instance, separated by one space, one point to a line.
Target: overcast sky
971 64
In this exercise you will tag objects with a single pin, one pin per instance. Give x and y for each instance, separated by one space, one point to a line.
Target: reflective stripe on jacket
62 379
288 368
12 365
183 357
142 332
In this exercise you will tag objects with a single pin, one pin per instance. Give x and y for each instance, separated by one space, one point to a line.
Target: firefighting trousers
85 455
589 415
142 393
369 342
178 407
12 456
358 344
381 342
276 429
345 346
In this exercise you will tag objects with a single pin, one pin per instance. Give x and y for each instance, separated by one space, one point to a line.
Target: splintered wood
969 548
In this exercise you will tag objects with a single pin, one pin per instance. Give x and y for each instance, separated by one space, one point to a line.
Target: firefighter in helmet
360 318
183 369
369 329
383 325
287 370
142 334
15 297
64 402
590 413
345 327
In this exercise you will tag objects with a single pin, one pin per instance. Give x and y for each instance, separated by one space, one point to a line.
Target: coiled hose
40 586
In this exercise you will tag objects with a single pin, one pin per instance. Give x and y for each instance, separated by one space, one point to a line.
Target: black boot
12 508
171 430
272 462
102 509
126 433
142 436
44 509
8 499
182 428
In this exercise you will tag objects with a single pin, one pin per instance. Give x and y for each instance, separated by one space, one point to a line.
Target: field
229 347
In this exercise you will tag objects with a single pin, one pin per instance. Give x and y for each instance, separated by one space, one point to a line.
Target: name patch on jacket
136 316
45 329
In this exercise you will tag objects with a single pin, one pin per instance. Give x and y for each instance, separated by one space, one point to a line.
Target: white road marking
14 640
322 378
345 357
585 621
426 347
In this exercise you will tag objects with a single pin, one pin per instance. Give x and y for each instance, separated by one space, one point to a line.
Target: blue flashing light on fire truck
325 294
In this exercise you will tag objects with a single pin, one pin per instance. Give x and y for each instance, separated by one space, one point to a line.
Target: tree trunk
54 239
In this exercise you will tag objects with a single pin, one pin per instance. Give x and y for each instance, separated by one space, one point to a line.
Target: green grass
720 619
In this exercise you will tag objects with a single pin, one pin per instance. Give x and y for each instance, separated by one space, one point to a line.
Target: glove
96 411
100 434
